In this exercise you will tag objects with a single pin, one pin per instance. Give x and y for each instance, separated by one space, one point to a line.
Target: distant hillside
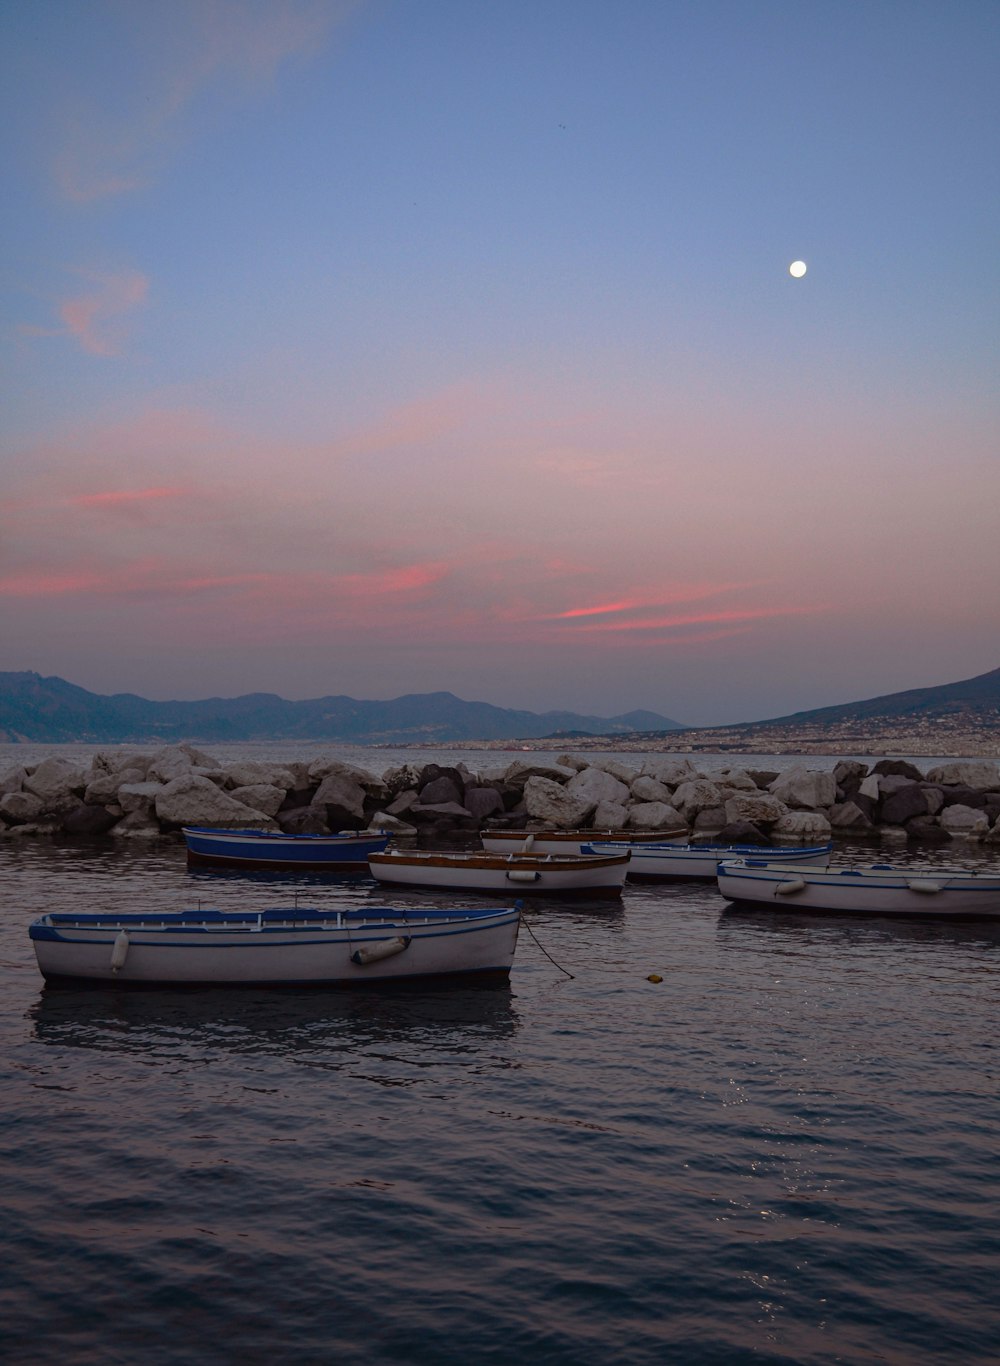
976 700
52 711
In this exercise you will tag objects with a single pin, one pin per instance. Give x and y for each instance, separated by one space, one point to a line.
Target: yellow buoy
654 977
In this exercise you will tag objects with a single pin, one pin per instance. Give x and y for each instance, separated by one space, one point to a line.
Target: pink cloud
94 319
235 46
126 497
697 619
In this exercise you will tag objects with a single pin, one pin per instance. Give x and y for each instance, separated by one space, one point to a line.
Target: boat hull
276 947
267 850
522 875
878 890
665 862
571 843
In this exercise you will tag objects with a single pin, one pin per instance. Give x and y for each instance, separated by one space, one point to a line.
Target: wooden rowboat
659 862
481 872
881 889
288 947
345 851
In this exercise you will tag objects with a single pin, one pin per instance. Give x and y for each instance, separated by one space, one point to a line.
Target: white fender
385 948
789 887
528 844
523 875
119 950
917 884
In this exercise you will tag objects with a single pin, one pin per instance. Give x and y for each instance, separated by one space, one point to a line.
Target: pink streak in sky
125 497
697 619
94 319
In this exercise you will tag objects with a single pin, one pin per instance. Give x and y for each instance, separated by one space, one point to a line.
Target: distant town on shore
956 719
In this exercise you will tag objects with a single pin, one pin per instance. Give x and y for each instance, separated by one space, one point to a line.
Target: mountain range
52 711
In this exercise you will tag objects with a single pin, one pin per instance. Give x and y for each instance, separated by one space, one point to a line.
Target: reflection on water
272 1021
768 1153
740 919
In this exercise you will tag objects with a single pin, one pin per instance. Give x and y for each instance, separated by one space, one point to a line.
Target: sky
375 347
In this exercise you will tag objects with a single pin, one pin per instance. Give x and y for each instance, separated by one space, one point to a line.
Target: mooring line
545 950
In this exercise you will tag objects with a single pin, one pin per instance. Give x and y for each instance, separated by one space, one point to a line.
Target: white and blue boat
266 849
659 862
275 947
880 889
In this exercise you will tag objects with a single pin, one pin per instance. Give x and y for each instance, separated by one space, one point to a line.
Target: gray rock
260 797
696 795
610 816
548 801
904 804
20 808
759 808
964 821
742 832
482 802
344 795
177 761
304 820
849 773
669 771
655 816
139 797
443 789
12 780
710 820
849 816
197 801
89 820
55 781
402 803
382 820
521 771
805 827
593 786
898 768
252 774
805 789
647 789
980 773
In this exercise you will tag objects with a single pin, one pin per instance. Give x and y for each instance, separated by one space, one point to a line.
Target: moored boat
345 851
658 862
569 841
288 947
879 889
482 872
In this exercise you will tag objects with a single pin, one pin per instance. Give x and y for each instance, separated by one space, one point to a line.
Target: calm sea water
784 1152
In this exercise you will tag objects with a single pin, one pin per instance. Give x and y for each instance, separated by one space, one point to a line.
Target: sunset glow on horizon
379 349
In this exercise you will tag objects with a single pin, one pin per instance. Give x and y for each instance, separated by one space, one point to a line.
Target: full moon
797 269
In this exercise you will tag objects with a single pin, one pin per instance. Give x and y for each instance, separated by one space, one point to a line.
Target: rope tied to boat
544 950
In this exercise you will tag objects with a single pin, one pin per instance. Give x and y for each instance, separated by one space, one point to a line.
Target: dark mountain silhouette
51 711
977 699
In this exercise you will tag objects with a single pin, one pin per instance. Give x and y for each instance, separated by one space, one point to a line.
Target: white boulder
609 816
801 827
669 771
760 808
655 816
197 801
698 794
804 788
548 801
594 785
55 780
964 821
979 773
260 796
648 789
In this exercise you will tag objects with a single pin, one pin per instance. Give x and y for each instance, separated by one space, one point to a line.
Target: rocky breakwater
133 794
